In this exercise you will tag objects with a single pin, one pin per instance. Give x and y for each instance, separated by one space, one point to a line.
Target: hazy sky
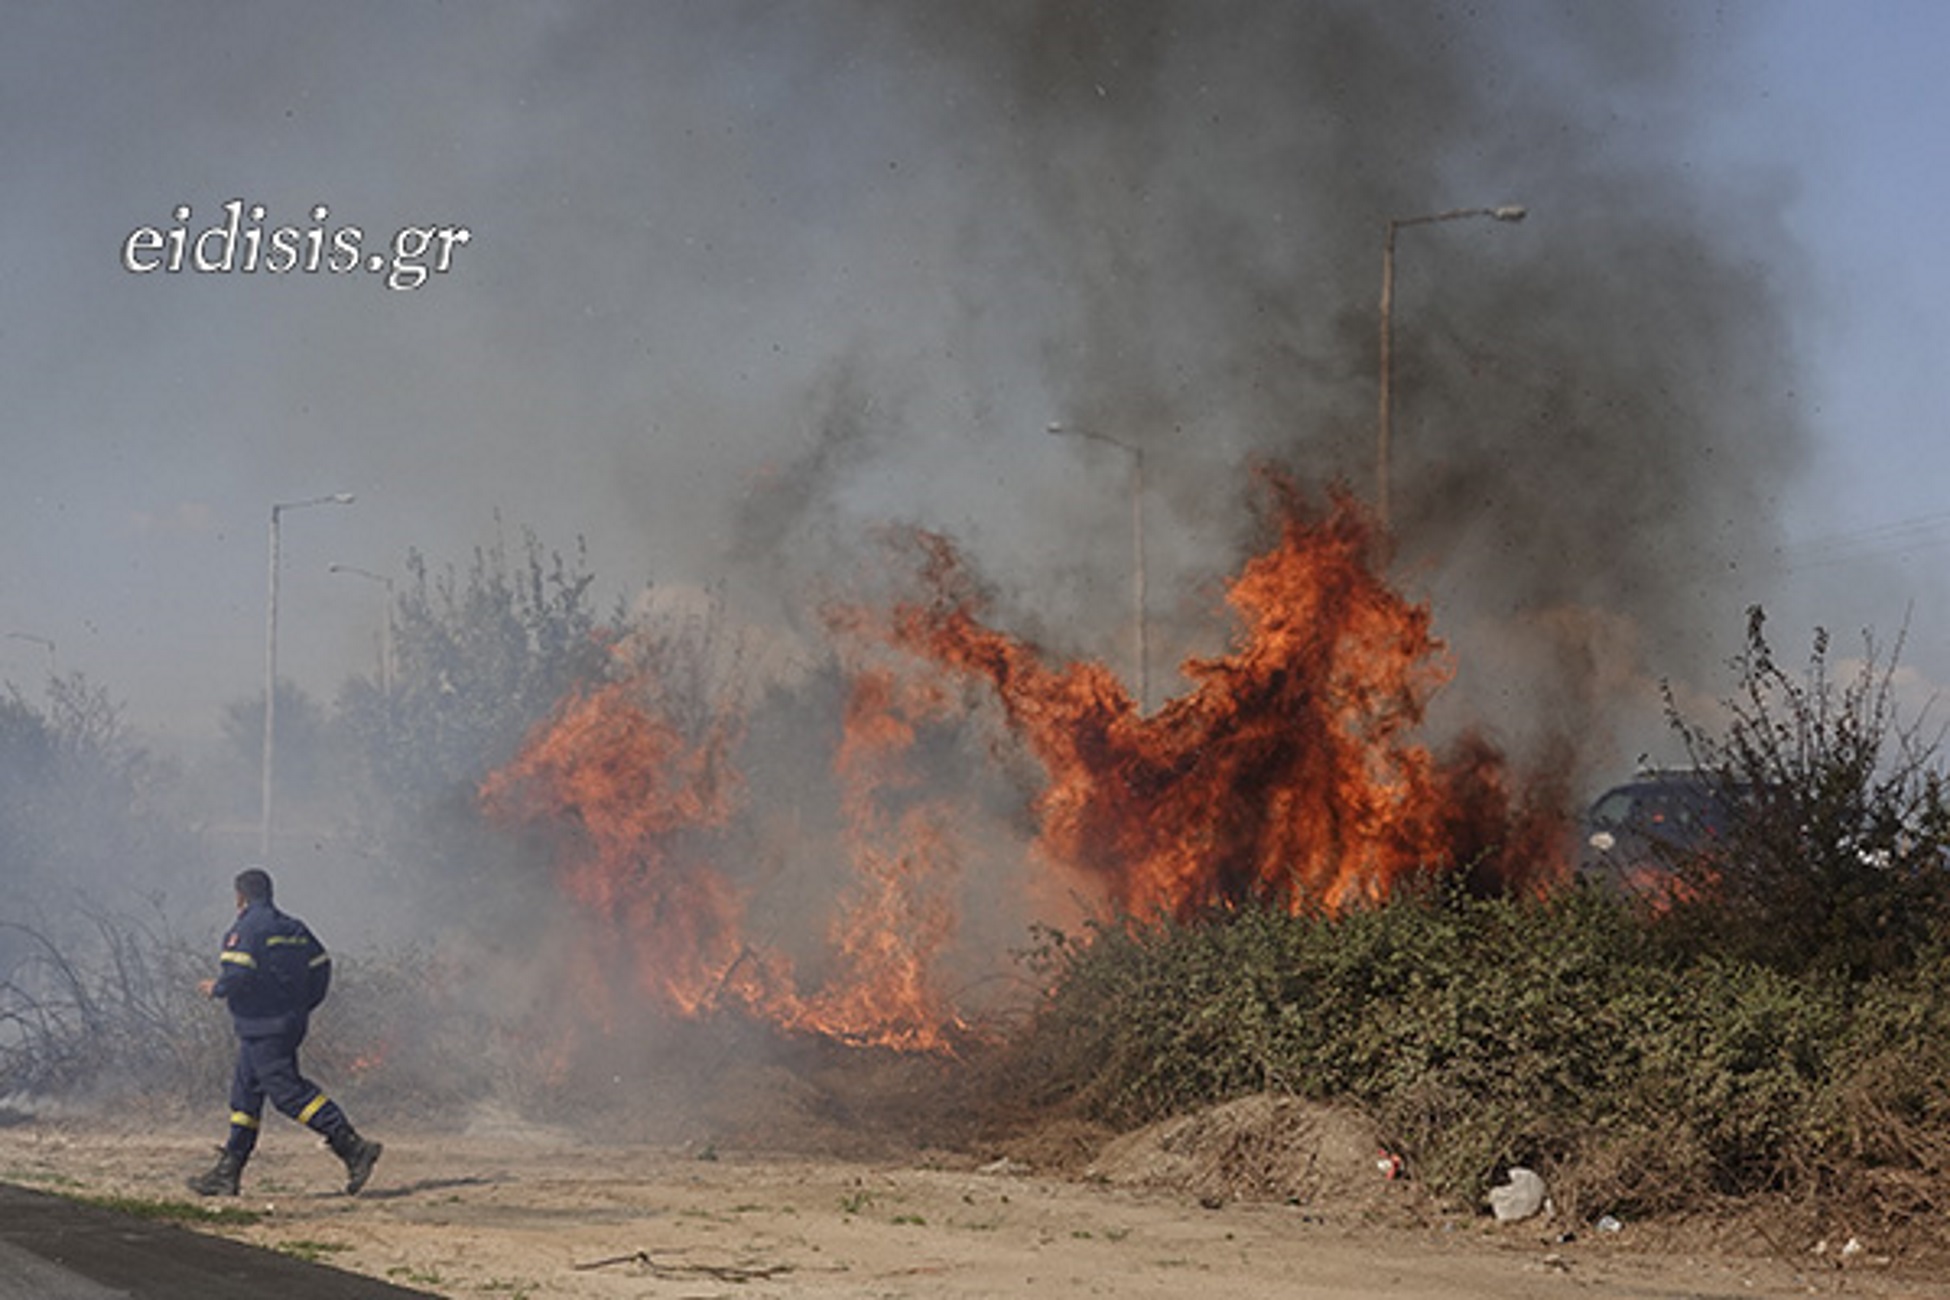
1846 102
740 280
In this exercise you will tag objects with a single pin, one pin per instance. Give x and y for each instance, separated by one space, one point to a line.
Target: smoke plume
1164 222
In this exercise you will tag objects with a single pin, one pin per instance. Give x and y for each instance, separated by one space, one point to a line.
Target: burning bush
1779 1030
1289 774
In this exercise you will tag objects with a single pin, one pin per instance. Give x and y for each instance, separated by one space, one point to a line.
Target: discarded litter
1520 1198
1388 1163
1608 1223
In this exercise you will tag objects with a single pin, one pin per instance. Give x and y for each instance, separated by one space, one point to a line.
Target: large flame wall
1288 774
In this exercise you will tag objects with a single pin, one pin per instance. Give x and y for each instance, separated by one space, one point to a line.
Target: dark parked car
1635 834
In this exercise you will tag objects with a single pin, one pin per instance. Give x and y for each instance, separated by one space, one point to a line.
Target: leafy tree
480 657
303 743
87 819
27 748
1838 853
85 811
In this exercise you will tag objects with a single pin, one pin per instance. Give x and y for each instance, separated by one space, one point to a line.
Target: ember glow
1288 774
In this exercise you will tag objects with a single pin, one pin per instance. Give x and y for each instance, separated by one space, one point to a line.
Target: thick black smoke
1168 219
749 280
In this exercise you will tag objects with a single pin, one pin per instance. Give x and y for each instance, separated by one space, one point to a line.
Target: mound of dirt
1262 1148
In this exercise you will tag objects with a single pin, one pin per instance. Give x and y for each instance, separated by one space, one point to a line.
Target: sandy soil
509 1210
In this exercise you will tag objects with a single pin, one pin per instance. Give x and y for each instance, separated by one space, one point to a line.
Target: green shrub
1838 855
1886 1103
1481 1033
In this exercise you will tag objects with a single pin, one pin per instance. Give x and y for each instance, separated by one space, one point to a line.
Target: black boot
359 1156
223 1177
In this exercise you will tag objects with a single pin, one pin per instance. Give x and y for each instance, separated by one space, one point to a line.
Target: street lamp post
1507 212
385 629
1137 548
271 661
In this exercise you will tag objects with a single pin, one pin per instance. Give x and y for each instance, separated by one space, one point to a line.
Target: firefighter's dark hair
254 885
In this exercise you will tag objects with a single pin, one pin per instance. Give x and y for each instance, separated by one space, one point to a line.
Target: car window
1613 810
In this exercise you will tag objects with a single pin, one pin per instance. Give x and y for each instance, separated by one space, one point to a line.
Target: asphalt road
55 1249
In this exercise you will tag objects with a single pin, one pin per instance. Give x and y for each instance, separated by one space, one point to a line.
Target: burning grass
1275 886
1289 774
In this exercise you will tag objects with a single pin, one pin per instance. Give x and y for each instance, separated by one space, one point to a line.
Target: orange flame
636 792
643 804
898 921
1287 775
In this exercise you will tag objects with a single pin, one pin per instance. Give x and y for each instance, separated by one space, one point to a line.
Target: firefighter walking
273 973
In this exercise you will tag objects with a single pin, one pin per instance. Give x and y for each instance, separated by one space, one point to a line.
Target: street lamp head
357 572
1510 212
336 499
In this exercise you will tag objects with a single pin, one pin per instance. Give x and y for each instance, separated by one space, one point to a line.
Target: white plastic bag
1522 1197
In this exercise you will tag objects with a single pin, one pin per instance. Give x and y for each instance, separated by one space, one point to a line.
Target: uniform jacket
274 972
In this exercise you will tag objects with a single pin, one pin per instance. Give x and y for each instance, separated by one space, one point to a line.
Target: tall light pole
1137 548
385 629
1508 212
271 660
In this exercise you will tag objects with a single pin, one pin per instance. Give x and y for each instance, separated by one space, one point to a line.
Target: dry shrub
102 1005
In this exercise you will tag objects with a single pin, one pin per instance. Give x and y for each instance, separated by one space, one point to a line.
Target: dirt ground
1262 1198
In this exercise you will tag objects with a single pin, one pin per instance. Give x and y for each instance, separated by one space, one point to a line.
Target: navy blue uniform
274 974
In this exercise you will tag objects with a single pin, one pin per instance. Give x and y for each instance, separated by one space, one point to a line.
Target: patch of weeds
856 1202
169 1211
417 1276
38 1178
909 1220
308 1250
